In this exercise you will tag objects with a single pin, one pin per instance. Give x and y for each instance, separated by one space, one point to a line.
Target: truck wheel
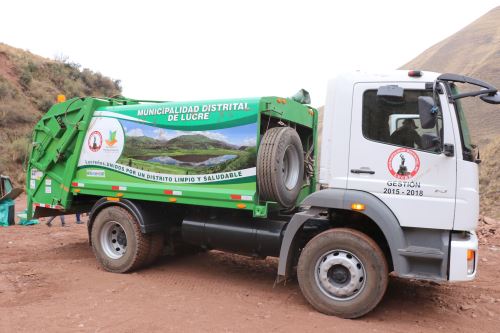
117 241
280 166
343 272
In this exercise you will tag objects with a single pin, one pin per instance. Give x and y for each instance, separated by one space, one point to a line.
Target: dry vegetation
489 180
29 85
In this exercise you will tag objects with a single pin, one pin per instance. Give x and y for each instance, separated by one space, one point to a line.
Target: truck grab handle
357 171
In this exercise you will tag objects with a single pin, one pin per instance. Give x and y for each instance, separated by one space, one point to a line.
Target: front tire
343 272
117 241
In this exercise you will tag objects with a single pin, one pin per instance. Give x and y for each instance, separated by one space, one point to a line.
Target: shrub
44 103
118 86
43 95
19 149
5 89
72 88
97 84
4 163
25 78
31 67
13 112
56 74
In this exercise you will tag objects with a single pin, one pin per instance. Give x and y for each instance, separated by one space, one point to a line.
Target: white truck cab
397 166
427 176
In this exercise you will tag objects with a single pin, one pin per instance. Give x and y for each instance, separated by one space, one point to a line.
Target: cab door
417 181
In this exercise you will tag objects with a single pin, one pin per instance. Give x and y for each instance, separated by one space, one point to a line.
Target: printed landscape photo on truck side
161 150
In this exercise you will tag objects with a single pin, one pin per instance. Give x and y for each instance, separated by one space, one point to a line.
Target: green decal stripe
249 179
198 201
187 126
186 193
219 193
136 180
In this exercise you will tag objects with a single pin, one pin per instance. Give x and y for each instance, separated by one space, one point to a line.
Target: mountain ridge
185 141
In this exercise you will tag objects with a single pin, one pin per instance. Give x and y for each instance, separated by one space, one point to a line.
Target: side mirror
427 111
391 94
491 99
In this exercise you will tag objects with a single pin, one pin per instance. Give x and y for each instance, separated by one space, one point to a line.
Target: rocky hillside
29 85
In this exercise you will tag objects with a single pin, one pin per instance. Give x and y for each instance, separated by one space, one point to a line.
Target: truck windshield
464 127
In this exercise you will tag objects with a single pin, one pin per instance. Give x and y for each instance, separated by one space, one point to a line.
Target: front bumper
462 267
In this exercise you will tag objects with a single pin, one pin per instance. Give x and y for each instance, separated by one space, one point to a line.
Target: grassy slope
29 85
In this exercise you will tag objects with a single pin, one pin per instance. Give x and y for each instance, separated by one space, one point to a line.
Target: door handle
358 171
449 149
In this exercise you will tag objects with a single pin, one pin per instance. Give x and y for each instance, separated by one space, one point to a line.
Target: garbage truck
342 202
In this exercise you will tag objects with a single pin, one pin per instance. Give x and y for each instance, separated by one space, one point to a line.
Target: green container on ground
23 218
7 212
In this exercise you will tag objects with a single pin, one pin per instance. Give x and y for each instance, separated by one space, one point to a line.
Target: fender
147 223
375 209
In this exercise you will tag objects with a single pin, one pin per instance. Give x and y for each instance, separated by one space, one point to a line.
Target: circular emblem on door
95 141
403 163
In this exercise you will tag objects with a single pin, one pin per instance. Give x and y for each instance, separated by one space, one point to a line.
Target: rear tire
343 272
280 166
117 241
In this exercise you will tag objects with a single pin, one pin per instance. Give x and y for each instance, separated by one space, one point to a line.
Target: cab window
397 122
467 146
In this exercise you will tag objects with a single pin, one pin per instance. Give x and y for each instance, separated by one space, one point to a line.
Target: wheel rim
291 167
340 275
113 240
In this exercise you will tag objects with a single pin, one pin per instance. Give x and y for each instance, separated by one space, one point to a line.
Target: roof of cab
389 76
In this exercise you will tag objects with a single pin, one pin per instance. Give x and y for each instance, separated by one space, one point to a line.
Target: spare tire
280 166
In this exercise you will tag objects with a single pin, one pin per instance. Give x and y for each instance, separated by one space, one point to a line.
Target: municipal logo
111 139
403 163
95 141
103 141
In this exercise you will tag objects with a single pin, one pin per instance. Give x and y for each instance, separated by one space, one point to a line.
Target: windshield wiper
488 94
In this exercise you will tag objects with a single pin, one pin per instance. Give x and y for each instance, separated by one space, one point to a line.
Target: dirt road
50 281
